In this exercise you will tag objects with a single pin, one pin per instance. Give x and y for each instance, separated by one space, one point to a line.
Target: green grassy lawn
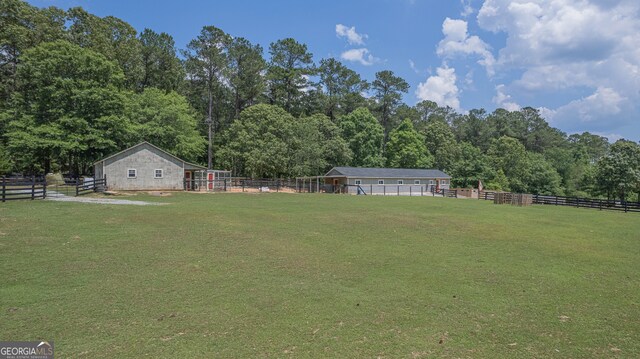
290 275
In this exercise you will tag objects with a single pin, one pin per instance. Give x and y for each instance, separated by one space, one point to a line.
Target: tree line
75 87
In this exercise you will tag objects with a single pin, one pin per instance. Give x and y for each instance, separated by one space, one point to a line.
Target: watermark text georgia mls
26 350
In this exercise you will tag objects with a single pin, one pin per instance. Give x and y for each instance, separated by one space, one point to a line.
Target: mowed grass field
320 276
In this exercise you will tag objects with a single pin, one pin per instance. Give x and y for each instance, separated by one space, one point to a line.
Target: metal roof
194 166
385 173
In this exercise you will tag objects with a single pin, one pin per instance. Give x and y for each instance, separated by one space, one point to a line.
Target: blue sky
578 61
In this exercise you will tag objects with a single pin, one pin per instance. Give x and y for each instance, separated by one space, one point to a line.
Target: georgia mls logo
26 350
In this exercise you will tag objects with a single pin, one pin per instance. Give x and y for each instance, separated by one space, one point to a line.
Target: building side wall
145 160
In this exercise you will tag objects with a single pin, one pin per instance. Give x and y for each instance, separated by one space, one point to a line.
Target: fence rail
377 190
577 202
89 186
238 184
22 189
262 184
37 188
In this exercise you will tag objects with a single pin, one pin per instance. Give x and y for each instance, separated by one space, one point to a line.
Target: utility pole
209 122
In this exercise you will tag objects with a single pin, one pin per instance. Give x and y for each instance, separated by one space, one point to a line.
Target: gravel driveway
62 198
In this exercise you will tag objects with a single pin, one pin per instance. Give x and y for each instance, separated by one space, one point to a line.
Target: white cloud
603 102
413 67
467 9
560 45
601 112
353 38
457 41
502 99
441 88
468 79
361 55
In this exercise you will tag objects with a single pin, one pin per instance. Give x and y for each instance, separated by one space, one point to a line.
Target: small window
443 181
157 173
358 181
380 181
400 182
416 181
431 182
132 173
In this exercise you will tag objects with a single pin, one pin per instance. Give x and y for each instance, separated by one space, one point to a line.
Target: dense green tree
404 112
498 182
576 167
22 27
471 127
508 155
6 165
542 178
364 135
288 73
539 136
168 121
260 143
430 111
595 146
441 143
343 88
388 90
618 173
111 37
161 68
406 148
504 123
68 109
318 146
470 167
245 69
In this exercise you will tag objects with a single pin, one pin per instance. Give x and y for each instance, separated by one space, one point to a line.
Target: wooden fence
271 184
36 188
94 185
22 188
577 202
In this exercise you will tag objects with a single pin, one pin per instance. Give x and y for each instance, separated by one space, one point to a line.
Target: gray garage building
145 167
376 179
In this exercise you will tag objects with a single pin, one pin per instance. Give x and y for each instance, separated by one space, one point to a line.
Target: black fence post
77 186
4 188
384 190
277 185
398 190
44 189
33 187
